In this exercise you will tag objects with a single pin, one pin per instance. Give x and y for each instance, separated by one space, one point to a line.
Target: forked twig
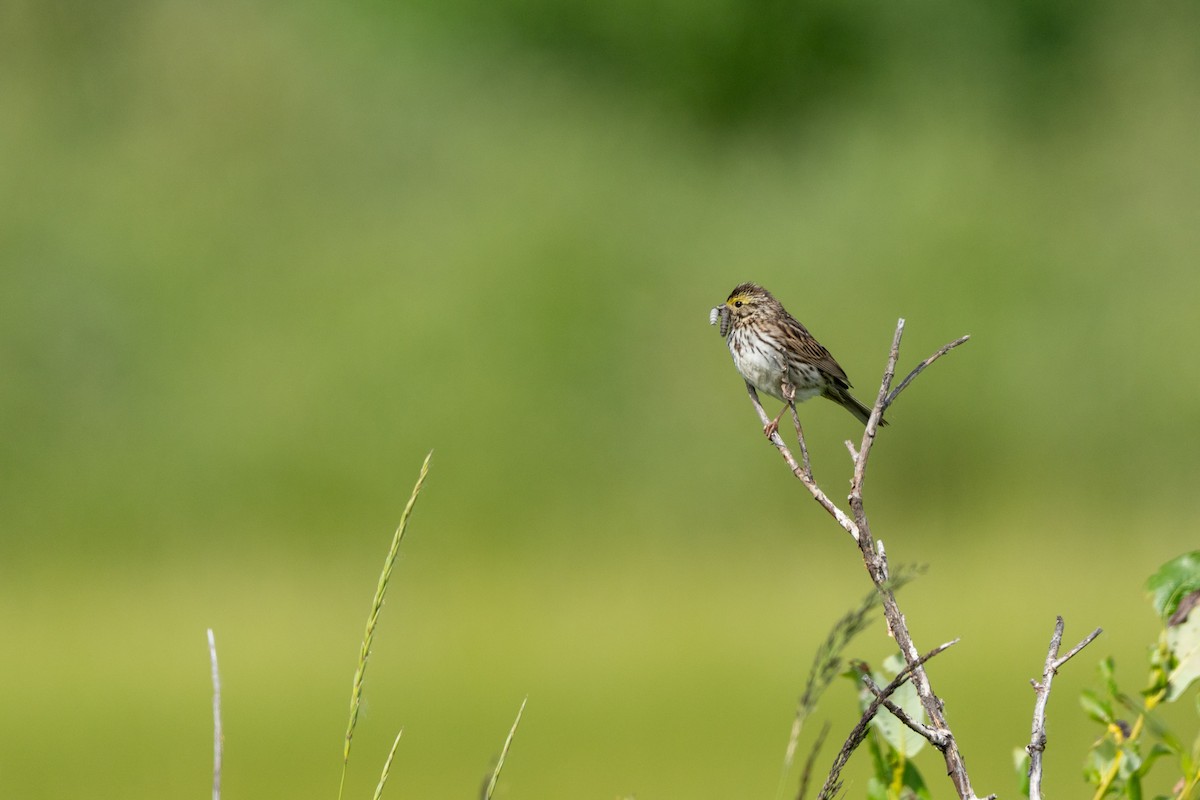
828 663
924 731
1037 740
946 348
859 732
801 473
857 525
876 564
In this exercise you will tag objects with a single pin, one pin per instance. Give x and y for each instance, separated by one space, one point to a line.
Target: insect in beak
720 314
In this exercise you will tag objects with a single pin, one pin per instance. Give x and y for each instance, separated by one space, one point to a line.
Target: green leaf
879 763
1108 673
1131 762
901 738
1169 739
901 781
914 784
1184 642
1099 761
1133 787
1099 710
1093 769
893 664
1156 752
1172 581
1021 765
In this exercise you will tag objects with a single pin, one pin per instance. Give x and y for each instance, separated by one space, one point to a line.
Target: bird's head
744 302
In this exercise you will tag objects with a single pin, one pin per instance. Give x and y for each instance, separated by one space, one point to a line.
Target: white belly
763 368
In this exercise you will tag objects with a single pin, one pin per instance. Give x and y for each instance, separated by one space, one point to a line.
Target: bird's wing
813 351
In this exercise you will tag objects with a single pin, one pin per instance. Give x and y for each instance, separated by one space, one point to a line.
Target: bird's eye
737 303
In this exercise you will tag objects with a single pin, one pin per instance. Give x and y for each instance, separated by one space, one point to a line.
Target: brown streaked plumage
775 353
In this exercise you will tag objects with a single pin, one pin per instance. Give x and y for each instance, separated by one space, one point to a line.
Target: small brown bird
776 354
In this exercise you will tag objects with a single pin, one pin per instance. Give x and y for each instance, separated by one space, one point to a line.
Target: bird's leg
789 399
769 427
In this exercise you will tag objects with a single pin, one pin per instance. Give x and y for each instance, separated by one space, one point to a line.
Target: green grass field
258 259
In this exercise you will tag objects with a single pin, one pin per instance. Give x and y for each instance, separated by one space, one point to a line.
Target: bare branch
922 730
873 555
1037 740
876 564
804 477
859 732
1075 650
868 440
946 348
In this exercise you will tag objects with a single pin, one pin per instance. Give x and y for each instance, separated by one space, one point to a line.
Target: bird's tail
843 398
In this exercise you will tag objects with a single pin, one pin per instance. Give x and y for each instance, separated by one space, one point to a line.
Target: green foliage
1172 582
890 742
1021 765
900 739
730 63
828 661
1120 761
826 666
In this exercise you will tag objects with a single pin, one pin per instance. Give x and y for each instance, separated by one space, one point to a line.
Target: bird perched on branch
776 354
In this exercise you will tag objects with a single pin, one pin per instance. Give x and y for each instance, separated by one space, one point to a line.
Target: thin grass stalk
373 619
827 664
491 784
218 735
387 766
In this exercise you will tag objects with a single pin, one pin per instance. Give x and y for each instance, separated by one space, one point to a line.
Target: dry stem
1037 741
833 783
938 732
218 736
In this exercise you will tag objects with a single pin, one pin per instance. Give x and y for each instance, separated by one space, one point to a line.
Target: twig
800 473
946 348
1075 650
859 732
827 665
868 440
1037 740
218 736
873 554
924 731
876 564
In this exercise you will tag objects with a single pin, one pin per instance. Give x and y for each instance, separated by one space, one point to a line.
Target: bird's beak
720 315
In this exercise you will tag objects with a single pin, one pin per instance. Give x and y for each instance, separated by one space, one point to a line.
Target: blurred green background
256 259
